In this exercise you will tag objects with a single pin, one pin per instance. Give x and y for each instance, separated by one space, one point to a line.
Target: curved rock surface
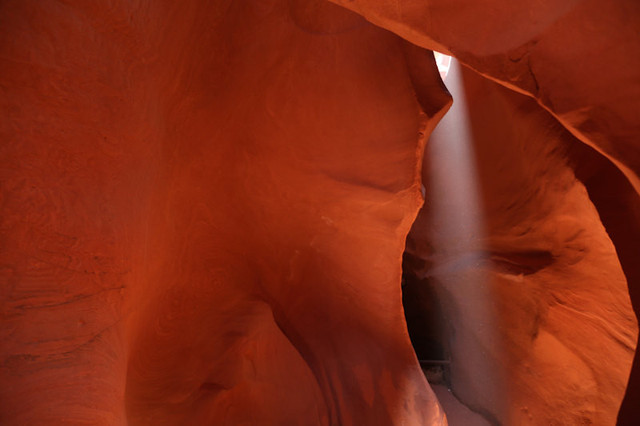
204 209
528 281
579 59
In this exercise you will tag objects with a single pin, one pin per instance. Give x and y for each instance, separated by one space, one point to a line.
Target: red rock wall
580 60
205 204
204 207
529 281
619 209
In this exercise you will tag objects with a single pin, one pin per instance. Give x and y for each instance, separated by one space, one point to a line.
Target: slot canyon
287 212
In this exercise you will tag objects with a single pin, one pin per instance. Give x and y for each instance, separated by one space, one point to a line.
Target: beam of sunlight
453 179
459 257
444 63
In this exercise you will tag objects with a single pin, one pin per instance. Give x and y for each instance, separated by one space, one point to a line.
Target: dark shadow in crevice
525 262
426 323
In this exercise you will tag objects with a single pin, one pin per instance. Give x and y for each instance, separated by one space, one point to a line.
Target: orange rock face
205 207
528 281
580 60
565 56
204 214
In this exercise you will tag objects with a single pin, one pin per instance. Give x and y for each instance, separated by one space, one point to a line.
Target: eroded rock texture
527 279
205 205
579 59
204 214
564 55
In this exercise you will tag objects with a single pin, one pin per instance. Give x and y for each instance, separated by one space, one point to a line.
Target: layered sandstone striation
580 60
534 305
204 213
204 208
